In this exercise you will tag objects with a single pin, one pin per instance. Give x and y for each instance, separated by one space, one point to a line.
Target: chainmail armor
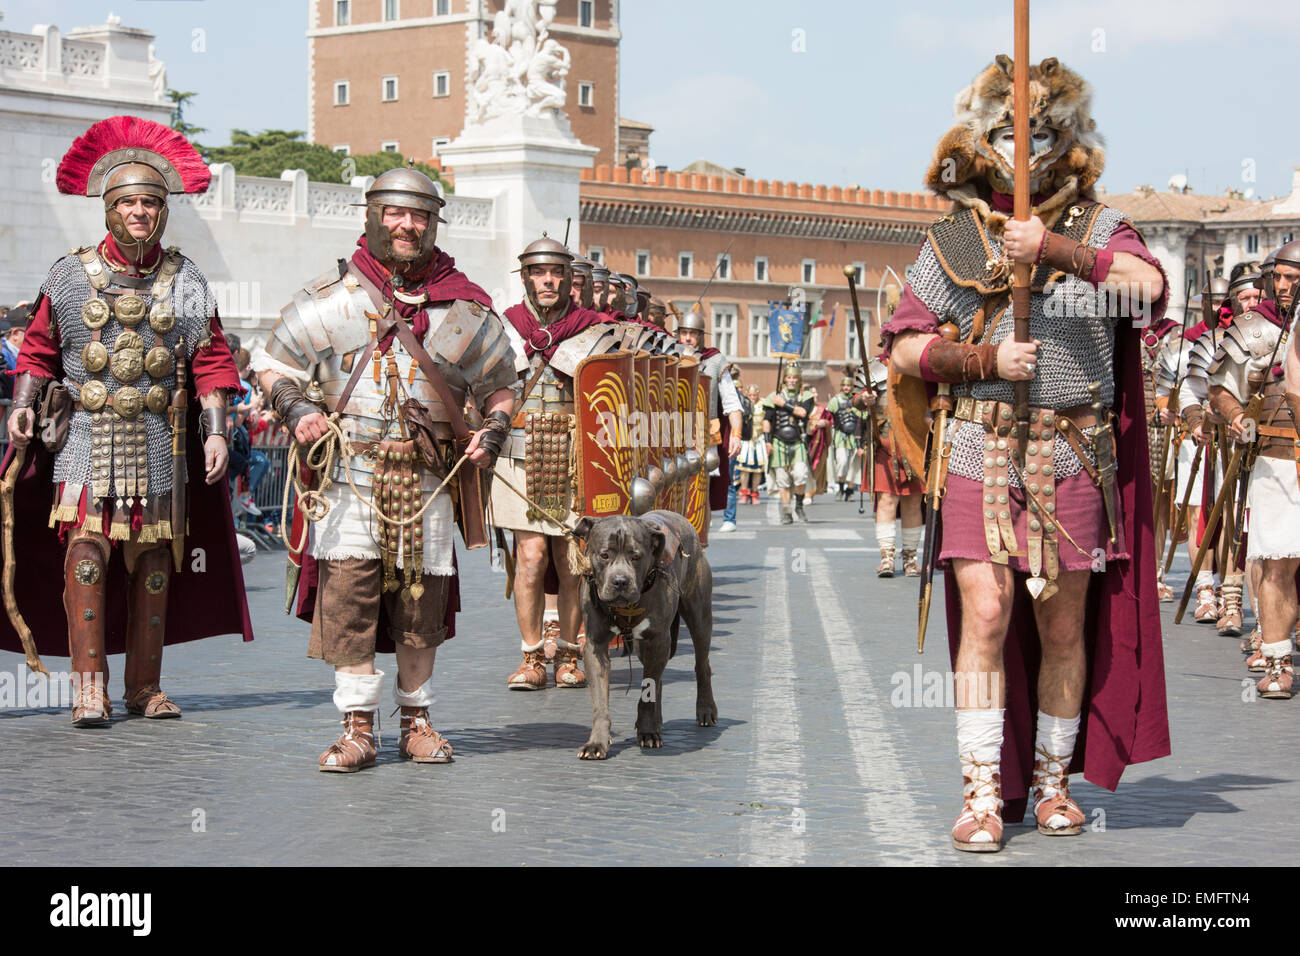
68 290
1078 347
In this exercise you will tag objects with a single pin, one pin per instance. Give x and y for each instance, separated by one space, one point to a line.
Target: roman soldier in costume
1219 584
1024 528
555 333
819 443
657 313
846 438
1250 364
582 293
724 408
785 425
123 333
898 490
1163 368
387 347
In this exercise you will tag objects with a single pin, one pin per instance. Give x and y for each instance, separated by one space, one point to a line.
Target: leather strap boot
355 749
85 597
146 622
1230 622
420 742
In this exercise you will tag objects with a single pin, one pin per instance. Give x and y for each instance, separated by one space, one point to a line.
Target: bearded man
123 332
391 344
1024 528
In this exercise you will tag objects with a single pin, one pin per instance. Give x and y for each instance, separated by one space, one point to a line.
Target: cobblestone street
809 762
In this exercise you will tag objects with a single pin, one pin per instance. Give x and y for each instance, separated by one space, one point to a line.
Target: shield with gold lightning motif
606 460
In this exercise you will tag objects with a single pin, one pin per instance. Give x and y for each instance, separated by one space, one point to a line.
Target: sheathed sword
177 414
1103 446
935 479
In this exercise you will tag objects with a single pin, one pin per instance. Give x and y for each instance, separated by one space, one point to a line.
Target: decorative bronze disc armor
94 357
129 310
95 314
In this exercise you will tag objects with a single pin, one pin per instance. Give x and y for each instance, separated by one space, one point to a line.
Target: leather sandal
420 742
1276 684
886 567
151 702
355 749
92 708
979 825
911 569
531 674
1251 644
568 672
1207 606
1056 812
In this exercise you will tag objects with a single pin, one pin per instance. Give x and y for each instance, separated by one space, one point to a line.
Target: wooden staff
10 598
1021 272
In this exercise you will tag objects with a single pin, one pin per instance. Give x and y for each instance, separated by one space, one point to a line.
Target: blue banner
784 331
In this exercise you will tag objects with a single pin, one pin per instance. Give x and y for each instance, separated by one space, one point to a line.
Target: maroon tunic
1125 719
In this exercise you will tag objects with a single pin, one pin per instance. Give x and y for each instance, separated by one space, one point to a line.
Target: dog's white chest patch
637 632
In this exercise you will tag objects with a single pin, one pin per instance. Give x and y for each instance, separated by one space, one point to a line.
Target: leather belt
108 407
973 410
521 418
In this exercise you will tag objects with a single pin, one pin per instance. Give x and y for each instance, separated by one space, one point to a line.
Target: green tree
179 102
272 151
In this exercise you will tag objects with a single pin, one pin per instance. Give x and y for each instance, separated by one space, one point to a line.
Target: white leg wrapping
979 738
358 691
422 696
1056 736
912 538
885 536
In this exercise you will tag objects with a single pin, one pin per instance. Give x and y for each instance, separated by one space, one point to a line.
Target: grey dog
648 575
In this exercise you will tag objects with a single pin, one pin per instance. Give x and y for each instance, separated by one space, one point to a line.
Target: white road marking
775 777
892 814
834 534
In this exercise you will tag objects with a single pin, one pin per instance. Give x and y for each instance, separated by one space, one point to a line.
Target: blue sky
1181 86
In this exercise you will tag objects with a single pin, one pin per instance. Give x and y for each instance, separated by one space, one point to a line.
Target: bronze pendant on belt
94 314
129 310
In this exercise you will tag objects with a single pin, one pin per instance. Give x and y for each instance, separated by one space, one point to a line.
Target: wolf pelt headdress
967 164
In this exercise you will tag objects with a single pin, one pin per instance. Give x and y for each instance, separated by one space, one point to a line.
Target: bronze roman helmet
409 189
546 251
582 266
1247 278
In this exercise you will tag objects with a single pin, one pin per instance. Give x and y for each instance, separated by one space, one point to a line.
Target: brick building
781 240
391 74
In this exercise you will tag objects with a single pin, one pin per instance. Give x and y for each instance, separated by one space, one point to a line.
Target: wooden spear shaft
1021 272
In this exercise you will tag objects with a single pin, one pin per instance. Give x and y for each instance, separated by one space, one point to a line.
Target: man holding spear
1259 401
1045 493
